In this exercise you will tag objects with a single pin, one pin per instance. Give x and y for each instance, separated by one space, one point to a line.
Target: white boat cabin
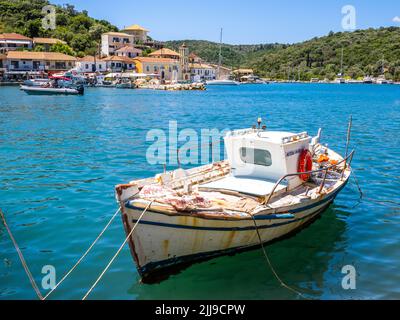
259 158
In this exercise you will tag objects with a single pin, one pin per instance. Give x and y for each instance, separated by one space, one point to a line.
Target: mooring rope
362 196
271 266
84 255
117 253
21 257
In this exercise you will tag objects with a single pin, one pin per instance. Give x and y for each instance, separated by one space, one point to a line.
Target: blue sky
244 21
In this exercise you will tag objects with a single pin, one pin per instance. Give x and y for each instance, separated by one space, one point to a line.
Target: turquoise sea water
60 157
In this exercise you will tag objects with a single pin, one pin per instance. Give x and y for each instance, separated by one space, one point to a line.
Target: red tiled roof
13 36
152 59
164 52
129 49
31 55
89 59
118 59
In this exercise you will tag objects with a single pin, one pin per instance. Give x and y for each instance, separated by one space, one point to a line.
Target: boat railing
325 170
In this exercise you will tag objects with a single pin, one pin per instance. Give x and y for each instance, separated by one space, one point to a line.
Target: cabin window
256 156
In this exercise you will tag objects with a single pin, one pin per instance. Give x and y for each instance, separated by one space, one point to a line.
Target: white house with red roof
14 41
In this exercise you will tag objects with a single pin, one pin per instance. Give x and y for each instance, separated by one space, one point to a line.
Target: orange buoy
323 158
305 164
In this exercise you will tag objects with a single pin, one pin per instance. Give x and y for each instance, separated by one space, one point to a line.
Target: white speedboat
381 80
271 184
51 91
226 82
368 80
340 80
36 82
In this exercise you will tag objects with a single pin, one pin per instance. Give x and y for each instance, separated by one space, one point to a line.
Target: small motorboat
47 90
226 82
340 80
272 184
368 80
252 79
37 82
125 85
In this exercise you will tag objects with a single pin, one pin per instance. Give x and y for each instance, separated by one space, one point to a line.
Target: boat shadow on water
302 260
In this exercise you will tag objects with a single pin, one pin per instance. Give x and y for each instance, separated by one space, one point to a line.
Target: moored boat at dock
271 184
79 90
225 82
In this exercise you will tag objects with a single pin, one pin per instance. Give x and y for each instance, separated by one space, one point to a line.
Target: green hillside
232 55
364 53
80 31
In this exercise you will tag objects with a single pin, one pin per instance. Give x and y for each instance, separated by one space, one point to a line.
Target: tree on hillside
62 48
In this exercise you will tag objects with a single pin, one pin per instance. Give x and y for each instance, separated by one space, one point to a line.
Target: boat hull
222 83
50 91
162 241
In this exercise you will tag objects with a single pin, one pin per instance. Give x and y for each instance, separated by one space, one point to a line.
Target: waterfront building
193 58
112 41
201 72
129 52
46 43
50 62
2 61
2 65
165 53
239 73
119 64
168 69
89 64
138 33
224 72
14 41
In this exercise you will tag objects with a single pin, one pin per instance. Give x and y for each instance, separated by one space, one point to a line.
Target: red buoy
305 164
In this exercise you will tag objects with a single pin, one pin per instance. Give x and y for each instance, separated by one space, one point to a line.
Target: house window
148 68
155 69
60 65
86 66
15 64
256 156
99 66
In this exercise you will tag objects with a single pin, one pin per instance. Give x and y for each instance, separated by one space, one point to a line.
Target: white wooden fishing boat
50 91
273 182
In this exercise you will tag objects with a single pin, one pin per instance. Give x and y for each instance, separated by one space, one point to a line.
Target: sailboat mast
220 56
341 65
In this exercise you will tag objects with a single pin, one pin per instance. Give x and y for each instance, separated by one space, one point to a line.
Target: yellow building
167 69
139 33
